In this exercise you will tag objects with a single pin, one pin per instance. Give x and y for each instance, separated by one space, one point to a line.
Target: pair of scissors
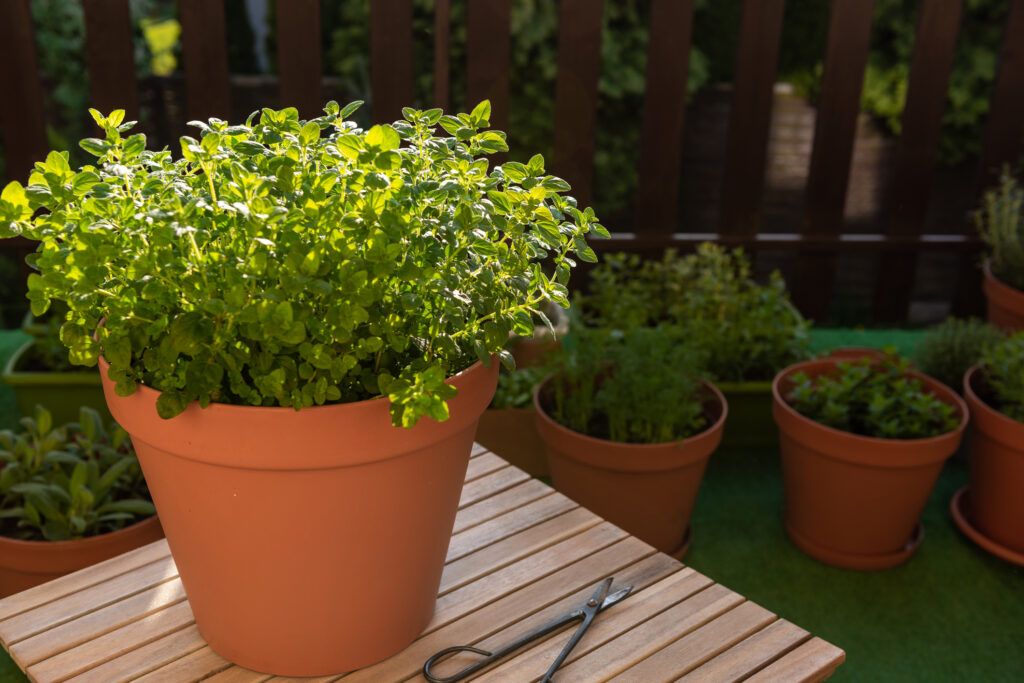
599 601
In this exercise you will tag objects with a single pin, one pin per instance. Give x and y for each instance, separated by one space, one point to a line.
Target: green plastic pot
750 422
62 393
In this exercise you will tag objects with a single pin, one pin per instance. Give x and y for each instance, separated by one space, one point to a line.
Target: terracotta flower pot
854 501
24 564
855 353
1005 304
309 542
997 470
647 489
512 434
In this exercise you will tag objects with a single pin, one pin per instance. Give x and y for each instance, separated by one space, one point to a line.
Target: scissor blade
616 597
602 590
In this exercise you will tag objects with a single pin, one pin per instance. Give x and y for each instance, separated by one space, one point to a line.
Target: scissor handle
459 675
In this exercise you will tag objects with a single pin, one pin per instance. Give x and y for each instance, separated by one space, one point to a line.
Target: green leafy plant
872 398
746 330
948 349
1002 368
515 389
640 386
296 263
1000 221
47 353
68 482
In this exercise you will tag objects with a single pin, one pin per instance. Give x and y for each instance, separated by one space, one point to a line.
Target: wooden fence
818 240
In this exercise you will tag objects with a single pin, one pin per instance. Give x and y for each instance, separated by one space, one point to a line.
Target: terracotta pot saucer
960 508
679 552
857 562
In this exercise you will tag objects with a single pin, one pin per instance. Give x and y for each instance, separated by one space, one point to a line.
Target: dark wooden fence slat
668 60
298 56
846 54
930 67
391 72
579 67
442 53
757 59
111 57
22 110
773 241
205 53
1001 144
488 59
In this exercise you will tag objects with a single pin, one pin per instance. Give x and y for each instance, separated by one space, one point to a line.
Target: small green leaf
383 138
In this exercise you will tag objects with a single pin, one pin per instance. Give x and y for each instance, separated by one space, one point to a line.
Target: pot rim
89 541
871 450
586 438
982 409
1009 297
15 377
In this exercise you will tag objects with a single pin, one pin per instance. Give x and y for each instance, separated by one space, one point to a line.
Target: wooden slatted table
521 554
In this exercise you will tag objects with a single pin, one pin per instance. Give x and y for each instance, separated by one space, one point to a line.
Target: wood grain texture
197 665
931 64
391 72
579 66
500 503
757 59
813 661
492 483
668 62
488 59
442 53
22 110
111 57
846 56
531 514
750 655
485 464
299 65
205 55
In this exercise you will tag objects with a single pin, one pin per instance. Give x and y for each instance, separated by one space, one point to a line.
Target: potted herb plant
628 426
991 509
947 350
1000 222
297 323
40 374
747 331
70 496
550 326
508 427
862 445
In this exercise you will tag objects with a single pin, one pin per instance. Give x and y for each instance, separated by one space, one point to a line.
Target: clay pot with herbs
70 496
990 510
862 443
1000 221
628 427
298 321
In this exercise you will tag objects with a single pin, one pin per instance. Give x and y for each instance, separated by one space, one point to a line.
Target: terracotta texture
647 489
1005 304
997 469
512 432
856 498
24 564
309 542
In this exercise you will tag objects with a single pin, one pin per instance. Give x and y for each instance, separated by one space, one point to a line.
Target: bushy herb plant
1000 221
296 263
640 386
746 330
948 349
47 353
515 389
1003 375
872 398
73 481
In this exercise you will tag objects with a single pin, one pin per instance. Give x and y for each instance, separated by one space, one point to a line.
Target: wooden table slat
752 654
522 554
813 661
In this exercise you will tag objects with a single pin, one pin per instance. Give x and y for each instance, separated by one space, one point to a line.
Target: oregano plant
294 263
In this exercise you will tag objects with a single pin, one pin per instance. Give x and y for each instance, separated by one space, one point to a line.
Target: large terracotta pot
1005 304
24 564
512 434
647 489
997 470
309 542
854 501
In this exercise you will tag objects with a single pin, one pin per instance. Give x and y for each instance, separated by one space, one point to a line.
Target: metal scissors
599 601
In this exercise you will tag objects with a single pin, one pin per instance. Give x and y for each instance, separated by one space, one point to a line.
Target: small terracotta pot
854 501
512 434
24 564
647 489
309 542
997 469
1005 304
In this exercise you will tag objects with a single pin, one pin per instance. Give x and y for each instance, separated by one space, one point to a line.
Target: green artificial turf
952 613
